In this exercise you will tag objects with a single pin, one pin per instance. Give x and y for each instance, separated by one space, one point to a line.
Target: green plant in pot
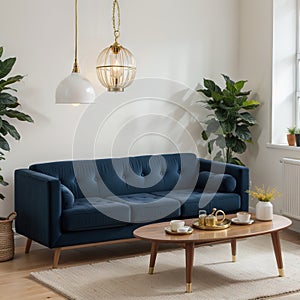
228 127
291 138
8 110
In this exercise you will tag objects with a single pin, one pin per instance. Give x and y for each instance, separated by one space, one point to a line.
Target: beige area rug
253 276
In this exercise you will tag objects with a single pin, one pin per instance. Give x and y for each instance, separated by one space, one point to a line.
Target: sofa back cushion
122 176
212 182
67 197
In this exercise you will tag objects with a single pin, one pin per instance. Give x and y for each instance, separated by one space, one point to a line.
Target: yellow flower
263 194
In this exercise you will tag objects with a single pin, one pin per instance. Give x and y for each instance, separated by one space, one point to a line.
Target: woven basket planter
7 245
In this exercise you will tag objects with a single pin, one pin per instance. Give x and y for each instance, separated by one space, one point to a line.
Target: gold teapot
213 220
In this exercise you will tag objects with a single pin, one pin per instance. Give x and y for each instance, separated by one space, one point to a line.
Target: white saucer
237 221
169 231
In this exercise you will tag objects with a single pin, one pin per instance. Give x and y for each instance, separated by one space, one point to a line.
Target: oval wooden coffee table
156 234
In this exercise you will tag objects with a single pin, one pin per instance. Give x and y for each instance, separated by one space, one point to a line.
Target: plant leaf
1 51
218 157
4 183
227 79
230 85
248 118
239 85
243 133
212 126
204 135
207 93
239 147
3 131
211 86
228 126
220 141
250 104
19 115
7 99
236 161
210 146
10 80
4 144
6 66
216 96
221 114
230 141
11 130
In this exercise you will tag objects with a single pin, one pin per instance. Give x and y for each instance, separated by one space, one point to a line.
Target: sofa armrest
38 205
240 173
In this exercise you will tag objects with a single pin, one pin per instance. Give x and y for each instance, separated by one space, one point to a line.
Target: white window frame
297 84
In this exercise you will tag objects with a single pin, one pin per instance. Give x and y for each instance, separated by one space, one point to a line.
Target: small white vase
264 211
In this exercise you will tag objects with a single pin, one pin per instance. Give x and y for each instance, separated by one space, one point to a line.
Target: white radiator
291 187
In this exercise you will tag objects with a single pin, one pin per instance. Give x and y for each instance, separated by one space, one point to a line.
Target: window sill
283 147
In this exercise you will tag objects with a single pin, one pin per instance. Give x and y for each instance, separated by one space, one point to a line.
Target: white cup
243 216
176 224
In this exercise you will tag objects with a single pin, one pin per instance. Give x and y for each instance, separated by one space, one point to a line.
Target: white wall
176 40
256 66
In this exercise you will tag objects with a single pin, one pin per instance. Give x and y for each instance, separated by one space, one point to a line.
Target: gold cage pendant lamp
75 89
116 66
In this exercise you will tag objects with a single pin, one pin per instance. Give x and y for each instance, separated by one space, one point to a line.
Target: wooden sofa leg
56 257
28 245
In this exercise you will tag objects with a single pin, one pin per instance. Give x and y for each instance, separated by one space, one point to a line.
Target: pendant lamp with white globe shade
75 89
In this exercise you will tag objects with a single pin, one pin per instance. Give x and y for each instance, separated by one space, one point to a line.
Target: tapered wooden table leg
28 245
277 250
56 257
189 260
154 248
233 250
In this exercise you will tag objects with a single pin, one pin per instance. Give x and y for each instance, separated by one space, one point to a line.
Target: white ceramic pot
264 211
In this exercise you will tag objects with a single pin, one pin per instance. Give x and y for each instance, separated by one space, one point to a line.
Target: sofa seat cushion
95 213
193 201
188 199
148 207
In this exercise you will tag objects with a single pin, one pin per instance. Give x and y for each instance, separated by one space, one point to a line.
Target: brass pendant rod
116 27
76 66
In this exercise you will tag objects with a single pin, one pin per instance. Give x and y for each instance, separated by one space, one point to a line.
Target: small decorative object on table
178 227
242 218
211 221
264 207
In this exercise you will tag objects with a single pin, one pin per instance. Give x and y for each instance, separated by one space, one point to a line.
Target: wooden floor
15 282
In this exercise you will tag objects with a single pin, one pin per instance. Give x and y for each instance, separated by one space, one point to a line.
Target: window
285 88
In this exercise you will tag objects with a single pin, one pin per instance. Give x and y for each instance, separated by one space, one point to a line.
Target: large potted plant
8 110
228 126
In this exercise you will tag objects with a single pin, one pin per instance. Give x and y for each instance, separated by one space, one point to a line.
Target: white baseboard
295 226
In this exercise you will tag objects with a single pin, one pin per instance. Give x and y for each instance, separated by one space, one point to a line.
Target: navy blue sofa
68 203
